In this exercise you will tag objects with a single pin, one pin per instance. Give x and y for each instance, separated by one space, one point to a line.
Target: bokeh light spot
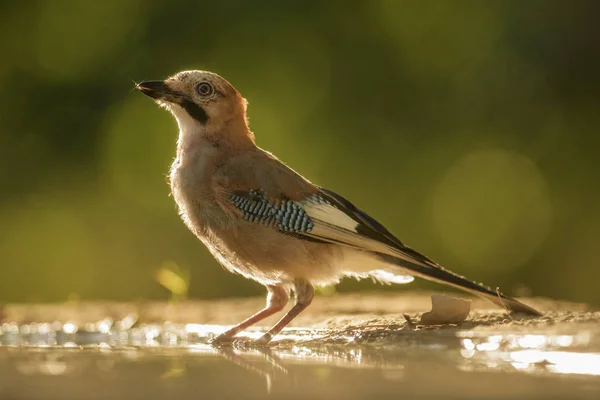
492 209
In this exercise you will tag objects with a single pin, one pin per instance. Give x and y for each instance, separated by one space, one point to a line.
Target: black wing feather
369 227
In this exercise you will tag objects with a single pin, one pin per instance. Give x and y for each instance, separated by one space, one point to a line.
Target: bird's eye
205 89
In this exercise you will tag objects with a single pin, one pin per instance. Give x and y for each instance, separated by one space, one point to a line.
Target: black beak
158 90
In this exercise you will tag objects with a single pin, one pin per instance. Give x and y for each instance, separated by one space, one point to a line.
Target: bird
261 219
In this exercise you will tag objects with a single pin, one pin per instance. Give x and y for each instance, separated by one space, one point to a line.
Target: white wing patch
334 224
327 213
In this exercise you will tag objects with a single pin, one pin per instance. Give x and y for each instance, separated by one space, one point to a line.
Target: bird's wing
342 222
259 188
270 193
323 216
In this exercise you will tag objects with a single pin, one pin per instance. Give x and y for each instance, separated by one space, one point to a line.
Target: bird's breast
191 188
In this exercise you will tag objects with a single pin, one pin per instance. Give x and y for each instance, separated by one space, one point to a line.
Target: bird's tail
434 272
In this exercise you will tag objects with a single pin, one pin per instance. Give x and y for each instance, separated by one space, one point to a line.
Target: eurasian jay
261 219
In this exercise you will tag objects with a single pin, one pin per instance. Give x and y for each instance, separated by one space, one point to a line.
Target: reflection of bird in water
263 220
240 358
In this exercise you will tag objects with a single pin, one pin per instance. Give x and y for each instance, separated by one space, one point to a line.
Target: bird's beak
158 90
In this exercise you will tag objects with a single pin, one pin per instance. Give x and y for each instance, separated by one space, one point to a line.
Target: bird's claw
222 339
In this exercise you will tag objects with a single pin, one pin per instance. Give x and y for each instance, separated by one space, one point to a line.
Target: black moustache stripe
194 110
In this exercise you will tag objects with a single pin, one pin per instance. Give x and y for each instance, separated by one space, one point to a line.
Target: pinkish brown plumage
261 219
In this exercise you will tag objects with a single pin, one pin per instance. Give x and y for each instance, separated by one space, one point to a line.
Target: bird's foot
226 339
264 339
223 339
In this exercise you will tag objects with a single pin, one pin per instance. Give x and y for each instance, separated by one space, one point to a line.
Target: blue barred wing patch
283 214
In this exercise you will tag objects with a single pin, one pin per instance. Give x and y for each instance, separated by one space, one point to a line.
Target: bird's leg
277 298
305 292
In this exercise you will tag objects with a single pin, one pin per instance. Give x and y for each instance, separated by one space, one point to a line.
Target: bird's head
201 101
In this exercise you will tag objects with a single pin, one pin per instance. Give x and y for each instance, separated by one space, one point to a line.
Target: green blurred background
469 128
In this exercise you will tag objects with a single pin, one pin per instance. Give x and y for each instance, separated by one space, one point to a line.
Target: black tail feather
436 273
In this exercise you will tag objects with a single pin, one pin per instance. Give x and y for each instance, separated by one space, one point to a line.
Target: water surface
124 360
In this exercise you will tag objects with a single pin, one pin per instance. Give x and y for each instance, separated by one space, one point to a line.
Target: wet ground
355 346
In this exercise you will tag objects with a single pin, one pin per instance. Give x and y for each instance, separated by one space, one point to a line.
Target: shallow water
124 360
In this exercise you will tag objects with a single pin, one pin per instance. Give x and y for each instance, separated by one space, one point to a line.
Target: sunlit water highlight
429 363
